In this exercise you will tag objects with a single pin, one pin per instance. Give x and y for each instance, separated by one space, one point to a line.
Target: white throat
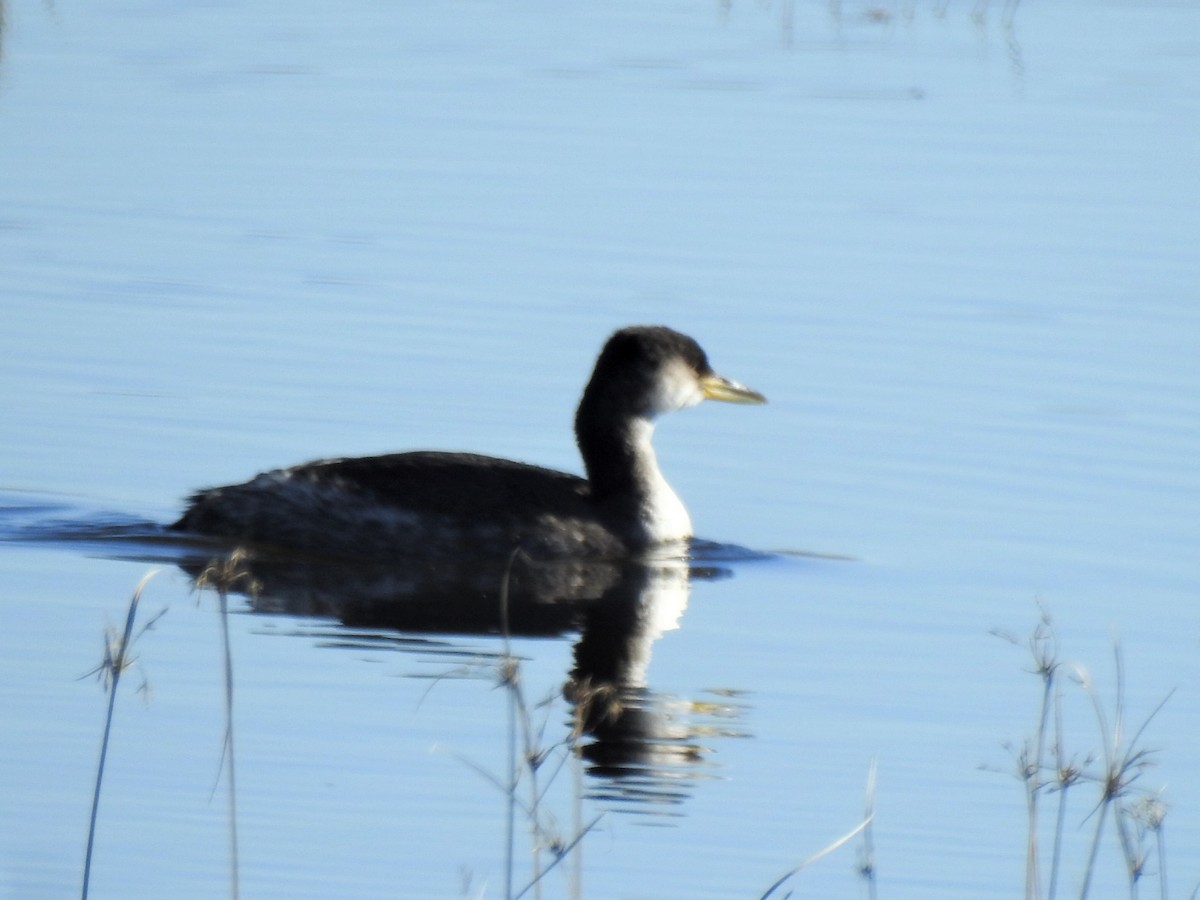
662 513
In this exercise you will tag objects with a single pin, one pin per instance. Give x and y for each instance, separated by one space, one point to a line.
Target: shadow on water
644 748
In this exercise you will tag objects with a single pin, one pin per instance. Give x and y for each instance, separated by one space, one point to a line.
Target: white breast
663 514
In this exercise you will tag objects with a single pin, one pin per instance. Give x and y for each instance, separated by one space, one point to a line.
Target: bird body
432 503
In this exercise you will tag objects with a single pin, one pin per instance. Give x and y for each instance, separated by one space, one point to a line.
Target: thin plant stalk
1160 843
849 835
1130 848
868 862
1123 760
1045 660
576 879
231 784
1067 777
1094 852
526 756
521 729
529 742
1033 789
115 662
559 857
530 759
1116 769
508 676
223 575
510 826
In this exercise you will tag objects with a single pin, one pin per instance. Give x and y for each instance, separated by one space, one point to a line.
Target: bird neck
623 474
619 457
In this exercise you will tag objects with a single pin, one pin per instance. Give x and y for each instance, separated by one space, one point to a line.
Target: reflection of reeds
116 660
1044 766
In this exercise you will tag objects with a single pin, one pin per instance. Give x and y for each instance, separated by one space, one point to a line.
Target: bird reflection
640 739
643 747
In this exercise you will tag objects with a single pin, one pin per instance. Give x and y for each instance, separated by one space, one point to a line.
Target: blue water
958 258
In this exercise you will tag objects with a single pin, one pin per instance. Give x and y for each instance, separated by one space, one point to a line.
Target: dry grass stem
820 854
117 659
1137 815
531 770
224 575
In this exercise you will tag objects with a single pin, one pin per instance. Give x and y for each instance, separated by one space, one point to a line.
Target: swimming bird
461 505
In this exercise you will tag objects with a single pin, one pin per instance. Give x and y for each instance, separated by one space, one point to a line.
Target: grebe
462 505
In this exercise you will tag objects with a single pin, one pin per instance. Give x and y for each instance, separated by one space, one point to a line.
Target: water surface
958 258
